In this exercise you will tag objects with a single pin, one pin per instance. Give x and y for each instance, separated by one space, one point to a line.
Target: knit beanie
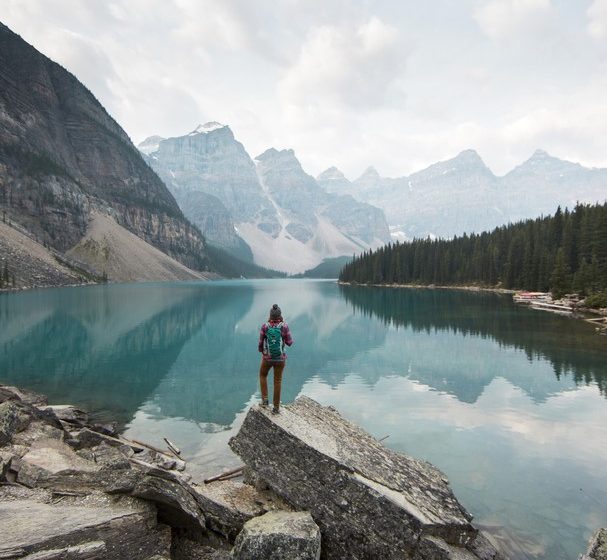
275 312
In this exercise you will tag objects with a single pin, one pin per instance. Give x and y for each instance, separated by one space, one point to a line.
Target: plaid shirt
286 338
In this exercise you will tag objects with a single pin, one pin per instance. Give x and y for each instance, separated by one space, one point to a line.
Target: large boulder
280 535
369 501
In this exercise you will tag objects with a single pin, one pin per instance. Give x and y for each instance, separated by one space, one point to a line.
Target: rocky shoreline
315 486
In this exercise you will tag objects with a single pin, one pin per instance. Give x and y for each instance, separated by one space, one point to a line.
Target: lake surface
509 402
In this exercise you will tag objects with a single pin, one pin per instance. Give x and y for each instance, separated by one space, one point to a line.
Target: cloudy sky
398 84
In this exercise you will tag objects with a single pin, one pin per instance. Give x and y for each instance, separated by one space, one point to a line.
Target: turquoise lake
509 402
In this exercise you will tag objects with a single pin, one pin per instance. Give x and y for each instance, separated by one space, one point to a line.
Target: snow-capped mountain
463 195
269 209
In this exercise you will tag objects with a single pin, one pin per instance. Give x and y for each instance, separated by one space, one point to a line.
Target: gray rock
87 438
50 463
597 549
70 414
108 456
14 417
184 548
279 535
229 504
170 490
91 550
109 530
7 395
36 430
5 461
369 501
435 548
8 392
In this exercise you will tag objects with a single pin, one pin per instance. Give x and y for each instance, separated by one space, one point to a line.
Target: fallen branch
230 476
158 450
173 448
223 475
385 437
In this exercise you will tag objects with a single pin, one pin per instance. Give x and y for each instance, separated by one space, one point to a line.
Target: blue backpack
274 341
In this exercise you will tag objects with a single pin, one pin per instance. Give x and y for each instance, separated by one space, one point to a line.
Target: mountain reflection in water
507 401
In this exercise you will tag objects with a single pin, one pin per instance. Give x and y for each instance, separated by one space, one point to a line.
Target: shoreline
466 288
579 313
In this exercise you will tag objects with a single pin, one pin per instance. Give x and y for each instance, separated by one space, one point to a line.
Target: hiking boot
275 410
264 403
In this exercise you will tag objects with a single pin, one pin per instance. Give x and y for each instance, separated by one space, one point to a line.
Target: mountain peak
369 173
207 127
539 153
469 156
331 174
150 144
273 153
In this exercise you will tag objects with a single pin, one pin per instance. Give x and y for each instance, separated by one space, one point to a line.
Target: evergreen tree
560 253
561 276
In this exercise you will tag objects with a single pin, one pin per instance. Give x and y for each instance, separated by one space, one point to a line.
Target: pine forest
563 253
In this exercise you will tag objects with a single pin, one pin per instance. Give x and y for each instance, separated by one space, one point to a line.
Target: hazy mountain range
268 209
463 195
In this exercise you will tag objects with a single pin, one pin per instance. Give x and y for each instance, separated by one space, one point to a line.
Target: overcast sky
396 84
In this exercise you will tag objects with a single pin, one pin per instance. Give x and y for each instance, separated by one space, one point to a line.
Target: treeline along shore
563 253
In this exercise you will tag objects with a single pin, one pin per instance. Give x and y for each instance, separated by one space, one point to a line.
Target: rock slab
369 501
33 529
279 535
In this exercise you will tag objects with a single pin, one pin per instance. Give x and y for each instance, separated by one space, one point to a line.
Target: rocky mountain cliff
214 181
463 195
62 157
269 207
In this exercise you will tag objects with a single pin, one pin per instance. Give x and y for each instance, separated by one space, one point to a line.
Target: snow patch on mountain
284 252
206 128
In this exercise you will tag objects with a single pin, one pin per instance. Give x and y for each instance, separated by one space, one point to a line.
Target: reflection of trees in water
61 358
571 347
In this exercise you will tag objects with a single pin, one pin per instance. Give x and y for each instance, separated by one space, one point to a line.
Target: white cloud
503 19
597 20
359 66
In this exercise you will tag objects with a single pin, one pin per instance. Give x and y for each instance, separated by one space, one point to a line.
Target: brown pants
264 369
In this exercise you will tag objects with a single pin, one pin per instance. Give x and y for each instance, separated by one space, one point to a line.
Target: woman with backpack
272 339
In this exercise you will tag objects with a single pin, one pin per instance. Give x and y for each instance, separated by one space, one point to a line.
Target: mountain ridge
63 157
284 217
463 195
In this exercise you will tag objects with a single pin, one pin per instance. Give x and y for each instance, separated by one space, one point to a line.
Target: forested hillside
563 253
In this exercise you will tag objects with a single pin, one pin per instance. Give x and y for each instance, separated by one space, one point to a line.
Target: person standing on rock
272 339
